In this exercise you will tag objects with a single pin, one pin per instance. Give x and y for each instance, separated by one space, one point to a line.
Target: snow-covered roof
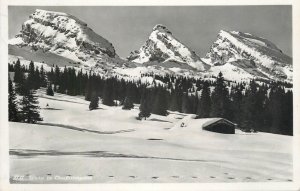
190 122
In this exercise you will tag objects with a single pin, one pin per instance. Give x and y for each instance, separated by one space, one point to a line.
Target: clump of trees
258 105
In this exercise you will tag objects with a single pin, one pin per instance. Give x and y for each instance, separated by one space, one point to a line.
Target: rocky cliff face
254 55
162 46
64 35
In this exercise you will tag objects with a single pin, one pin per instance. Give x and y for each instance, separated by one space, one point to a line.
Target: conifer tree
145 105
195 101
204 104
237 103
88 88
63 82
128 102
108 93
19 74
29 107
94 104
160 104
31 79
43 81
49 90
186 106
12 103
173 106
20 87
220 99
276 108
260 108
51 75
250 107
288 113
37 78
56 76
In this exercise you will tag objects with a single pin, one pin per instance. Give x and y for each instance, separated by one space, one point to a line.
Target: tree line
254 106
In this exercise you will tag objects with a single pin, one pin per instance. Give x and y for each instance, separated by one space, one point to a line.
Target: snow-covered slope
163 47
254 56
63 35
110 145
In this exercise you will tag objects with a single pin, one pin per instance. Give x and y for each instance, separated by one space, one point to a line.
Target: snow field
110 145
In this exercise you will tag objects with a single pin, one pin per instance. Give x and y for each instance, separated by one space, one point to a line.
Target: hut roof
190 122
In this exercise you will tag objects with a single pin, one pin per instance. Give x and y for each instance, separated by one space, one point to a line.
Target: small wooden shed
219 125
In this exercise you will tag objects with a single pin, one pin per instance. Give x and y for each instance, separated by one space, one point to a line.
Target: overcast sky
127 28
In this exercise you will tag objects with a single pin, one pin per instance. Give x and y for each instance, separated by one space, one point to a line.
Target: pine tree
204 104
43 80
31 79
220 99
20 86
174 106
186 106
19 74
88 88
19 78
145 105
56 76
250 107
128 104
260 108
37 78
108 93
128 101
288 113
29 107
94 104
237 103
160 104
49 90
51 75
276 108
12 103
63 81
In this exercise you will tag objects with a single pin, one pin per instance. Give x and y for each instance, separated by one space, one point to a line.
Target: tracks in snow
86 130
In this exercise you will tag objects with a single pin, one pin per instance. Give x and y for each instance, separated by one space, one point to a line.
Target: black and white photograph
101 94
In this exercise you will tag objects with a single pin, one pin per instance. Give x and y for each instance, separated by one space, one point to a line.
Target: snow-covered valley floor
109 145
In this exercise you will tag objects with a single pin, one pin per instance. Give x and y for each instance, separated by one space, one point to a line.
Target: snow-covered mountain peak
162 47
63 35
255 55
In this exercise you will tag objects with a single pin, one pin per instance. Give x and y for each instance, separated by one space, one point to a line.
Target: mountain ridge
67 39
